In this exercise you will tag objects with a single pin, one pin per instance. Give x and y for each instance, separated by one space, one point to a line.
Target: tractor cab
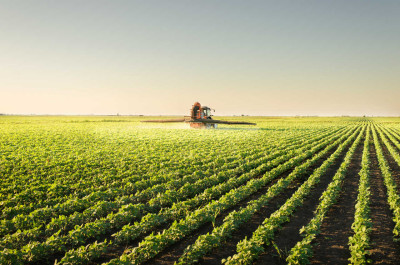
206 113
199 112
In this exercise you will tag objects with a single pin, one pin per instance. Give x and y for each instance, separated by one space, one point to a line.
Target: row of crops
109 190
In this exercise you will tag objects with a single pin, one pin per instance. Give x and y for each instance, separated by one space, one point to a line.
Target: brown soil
394 167
289 235
116 251
229 247
172 253
331 245
396 136
383 249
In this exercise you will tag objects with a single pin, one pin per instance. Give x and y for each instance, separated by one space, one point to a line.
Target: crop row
55 193
302 251
384 134
43 215
359 243
183 207
395 134
205 243
55 242
53 177
179 210
391 188
153 244
127 187
64 223
250 249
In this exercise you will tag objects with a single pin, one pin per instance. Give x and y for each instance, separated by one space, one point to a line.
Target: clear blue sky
239 57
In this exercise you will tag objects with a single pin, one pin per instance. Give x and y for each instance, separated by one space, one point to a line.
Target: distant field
113 190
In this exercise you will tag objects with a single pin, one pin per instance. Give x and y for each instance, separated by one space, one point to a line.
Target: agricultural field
113 190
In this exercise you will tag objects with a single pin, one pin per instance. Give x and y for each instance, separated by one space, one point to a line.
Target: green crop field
113 190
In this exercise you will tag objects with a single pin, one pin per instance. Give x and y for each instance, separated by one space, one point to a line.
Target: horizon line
166 115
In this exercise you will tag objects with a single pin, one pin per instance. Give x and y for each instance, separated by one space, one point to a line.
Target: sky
239 57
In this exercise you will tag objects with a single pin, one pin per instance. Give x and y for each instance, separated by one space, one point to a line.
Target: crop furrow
153 244
65 222
250 249
236 219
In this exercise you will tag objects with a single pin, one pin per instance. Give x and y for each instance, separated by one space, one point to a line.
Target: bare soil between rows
289 235
331 245
394 167
383 249
229 247
173 252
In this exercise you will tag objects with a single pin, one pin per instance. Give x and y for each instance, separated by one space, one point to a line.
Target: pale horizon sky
150 57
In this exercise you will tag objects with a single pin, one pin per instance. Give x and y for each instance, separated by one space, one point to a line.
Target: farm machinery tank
200 113
200 117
